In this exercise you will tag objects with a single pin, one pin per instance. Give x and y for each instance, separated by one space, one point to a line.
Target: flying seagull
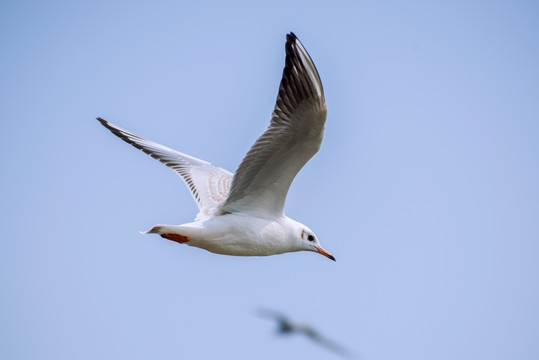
286 326
243 214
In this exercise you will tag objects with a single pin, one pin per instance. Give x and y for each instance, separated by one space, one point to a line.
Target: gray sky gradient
425 188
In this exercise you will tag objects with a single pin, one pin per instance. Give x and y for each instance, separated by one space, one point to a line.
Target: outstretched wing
294 135
209 184
315 336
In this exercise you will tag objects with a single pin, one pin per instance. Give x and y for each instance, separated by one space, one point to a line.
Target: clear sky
426 188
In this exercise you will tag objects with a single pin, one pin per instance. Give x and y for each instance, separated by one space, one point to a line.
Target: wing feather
208 184
294 135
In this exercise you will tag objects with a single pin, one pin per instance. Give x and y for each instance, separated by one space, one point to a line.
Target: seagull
243 214
288 327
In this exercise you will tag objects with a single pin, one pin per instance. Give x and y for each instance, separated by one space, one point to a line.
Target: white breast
238 234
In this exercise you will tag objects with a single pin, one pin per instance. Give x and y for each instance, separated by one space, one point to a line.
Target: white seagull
243 214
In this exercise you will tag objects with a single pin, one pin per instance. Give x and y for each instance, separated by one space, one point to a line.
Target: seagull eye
310 237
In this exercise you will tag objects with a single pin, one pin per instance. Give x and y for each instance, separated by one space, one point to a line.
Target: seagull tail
177 233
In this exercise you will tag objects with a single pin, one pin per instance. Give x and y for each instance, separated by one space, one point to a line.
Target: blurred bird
285 326
244 214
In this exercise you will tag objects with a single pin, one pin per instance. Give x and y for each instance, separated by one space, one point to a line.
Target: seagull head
308 241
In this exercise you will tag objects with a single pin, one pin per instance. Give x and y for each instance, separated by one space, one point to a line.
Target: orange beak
325 253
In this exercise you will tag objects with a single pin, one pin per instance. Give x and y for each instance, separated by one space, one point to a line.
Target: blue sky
425 188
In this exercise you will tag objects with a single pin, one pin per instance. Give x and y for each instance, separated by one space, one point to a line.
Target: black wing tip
291 37
303 82
109 126
102 121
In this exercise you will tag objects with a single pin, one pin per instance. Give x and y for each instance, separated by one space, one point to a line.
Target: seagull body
243 214
233 234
